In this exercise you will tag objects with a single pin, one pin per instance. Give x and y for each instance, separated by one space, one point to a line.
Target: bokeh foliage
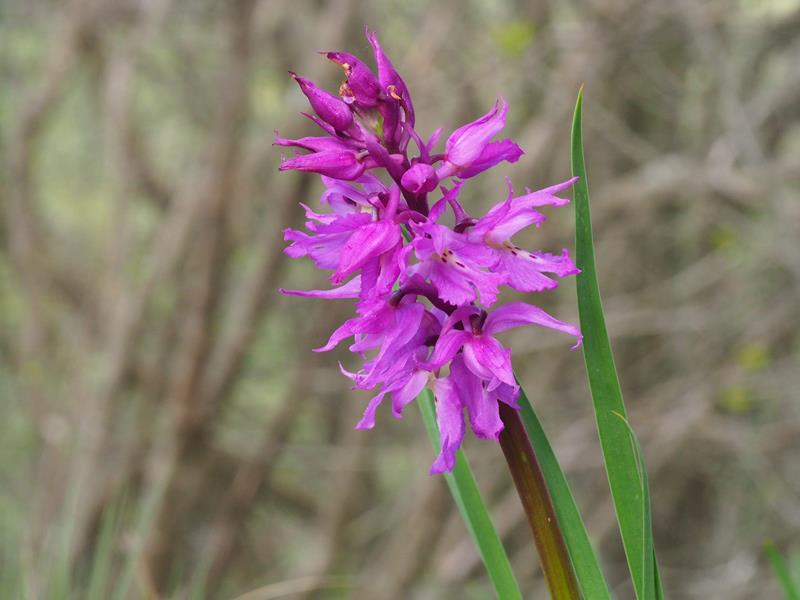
165 424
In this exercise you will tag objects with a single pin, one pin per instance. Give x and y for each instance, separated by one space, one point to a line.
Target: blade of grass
467 497
100 571
790 589
59 580
143 522
584 560
619 454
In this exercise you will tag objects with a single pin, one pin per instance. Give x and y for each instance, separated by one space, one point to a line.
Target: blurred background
166 430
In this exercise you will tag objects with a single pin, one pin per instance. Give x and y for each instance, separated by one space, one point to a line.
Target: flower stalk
532 489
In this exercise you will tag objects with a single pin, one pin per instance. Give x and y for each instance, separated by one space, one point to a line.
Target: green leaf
790 589
584 560
473 510
657 575
624 465
650 578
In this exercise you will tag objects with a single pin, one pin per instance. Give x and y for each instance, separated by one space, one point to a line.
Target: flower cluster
422 288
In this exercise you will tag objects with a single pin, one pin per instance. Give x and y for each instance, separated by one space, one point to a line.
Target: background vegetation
167 431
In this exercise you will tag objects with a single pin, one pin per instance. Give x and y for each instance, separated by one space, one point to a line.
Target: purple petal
351 289
513 221
450 419
456 281
322 124
324 218
546 196
347 329
378 276
315 144
451 285
300 243
502 221
446 348
433 140
484 416
489 360
517 314
451 196
376 322
405 395
492 154
365 243
522 273
560 264
368 420
460 315
488 285
339 193
324 250
344 223
466 143
397 332
437 210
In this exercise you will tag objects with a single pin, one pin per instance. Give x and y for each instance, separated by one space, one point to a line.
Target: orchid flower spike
425 290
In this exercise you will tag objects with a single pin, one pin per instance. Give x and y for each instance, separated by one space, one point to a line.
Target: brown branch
255 294
251 476
206 269
24 226
412 542
344 489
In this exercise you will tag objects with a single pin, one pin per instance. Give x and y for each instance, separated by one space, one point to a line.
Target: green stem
467 497
532 490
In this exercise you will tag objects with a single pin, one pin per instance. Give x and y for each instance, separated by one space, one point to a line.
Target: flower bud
330 108
339 164
467 142
361 82
393 85
420 179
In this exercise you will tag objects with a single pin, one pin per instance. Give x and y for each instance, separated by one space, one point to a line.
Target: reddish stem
532 490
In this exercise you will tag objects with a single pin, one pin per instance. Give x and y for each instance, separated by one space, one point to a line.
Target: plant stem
535 498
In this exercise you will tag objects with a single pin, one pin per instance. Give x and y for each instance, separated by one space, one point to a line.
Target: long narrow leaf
474 512
657 575
790 589
623 467
584 560
650 579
